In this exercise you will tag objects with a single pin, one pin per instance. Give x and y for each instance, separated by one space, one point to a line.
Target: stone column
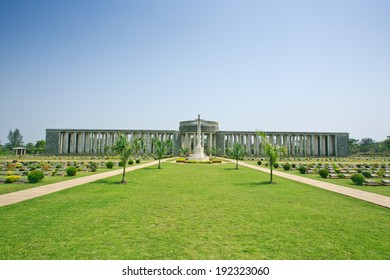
65 143
301 143
210 138
328 145
335 145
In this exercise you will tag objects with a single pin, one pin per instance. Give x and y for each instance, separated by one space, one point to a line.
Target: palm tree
272 152
126 148
161 149
237 152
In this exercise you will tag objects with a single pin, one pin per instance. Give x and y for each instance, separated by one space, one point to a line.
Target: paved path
363 195
15 197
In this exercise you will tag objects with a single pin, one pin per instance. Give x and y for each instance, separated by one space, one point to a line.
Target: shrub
341 176
137 160
287 166
93 166
11 166
9 173
375 165
266 164
302 169
259 162
110 165
324 173
71 171
35 176
130 162
315 170
293 165
358 179
46 166
380 173
120 163
216 161
366 174
337 170
276 165
11 179
359 170
18 165
383 165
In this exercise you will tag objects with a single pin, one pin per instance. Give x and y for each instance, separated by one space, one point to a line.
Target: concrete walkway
363 195
15 197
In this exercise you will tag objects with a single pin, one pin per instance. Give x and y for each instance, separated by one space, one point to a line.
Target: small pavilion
20 151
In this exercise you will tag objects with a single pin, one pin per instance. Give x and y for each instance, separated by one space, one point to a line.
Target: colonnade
95 142
305 144
101 142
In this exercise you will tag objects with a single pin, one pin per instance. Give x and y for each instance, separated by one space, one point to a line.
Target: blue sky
250 65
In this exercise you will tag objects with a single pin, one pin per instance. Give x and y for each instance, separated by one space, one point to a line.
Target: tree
353 145
15 138
366 144
237 152
386 143
161 149
40 147
184 151
125 148
30 148
272 152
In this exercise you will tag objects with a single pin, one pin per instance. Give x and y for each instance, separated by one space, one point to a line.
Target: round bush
324 173
276 165
71 171
287 166
293 165
358 179
120 163
35 176
259 162
359 170
137 160
302 169
130 162
110 165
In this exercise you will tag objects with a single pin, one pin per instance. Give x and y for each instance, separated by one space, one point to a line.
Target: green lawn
383 190
191 211
8 188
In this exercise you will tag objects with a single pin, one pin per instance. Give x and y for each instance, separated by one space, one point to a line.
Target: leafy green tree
15 138
125 148
184 151
237 152
40 147
353 145
161 149
30 148
366 144
386 143
272 152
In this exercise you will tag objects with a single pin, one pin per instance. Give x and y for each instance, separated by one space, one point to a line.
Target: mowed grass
383 190
14 187
186 211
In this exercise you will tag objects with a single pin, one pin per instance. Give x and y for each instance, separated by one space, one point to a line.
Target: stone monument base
198 155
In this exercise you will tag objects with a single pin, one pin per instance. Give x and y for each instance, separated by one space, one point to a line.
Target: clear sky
250 65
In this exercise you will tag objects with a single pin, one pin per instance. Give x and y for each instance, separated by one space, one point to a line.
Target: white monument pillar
198 150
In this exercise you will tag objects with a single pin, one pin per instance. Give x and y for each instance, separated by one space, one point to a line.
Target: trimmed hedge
71 171
324 173
35 176
110 165
358 179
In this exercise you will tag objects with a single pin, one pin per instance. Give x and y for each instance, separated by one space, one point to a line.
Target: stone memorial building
100 141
